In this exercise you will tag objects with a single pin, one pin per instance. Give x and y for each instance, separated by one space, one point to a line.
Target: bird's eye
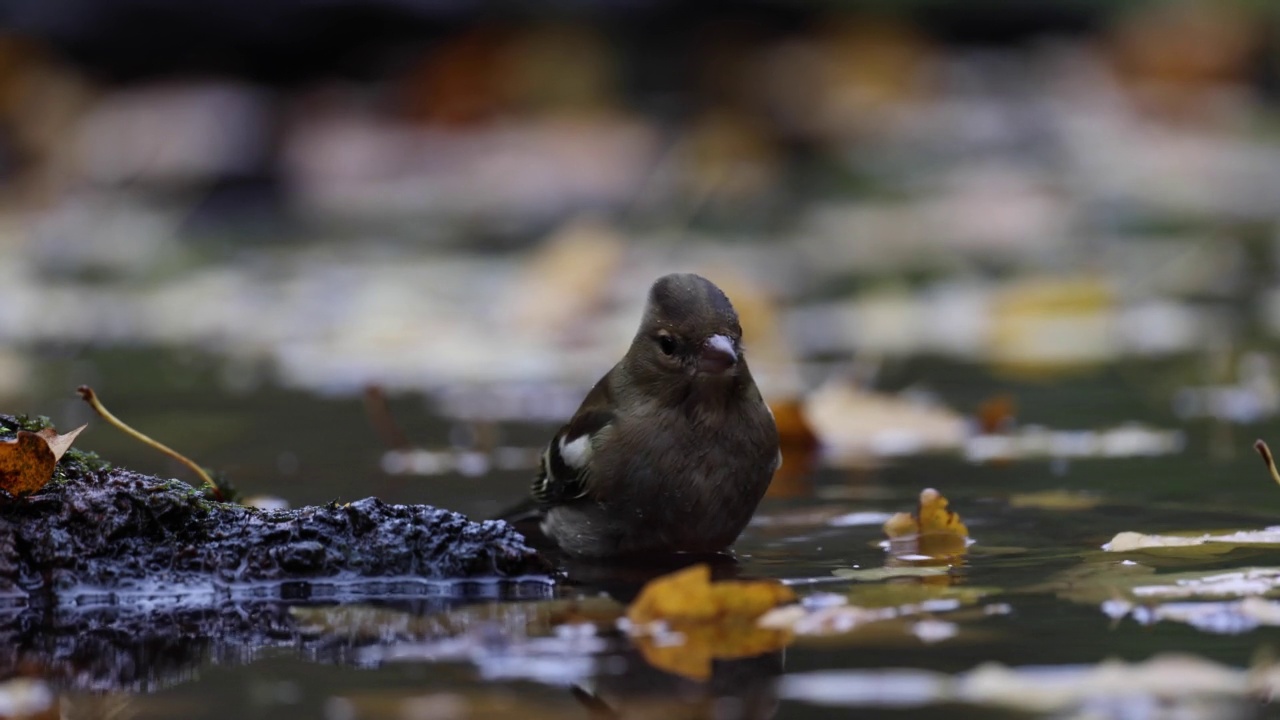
667 344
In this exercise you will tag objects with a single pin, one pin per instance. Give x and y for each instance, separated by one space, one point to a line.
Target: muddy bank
102 532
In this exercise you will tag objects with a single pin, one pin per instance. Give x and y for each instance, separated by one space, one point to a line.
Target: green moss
33 424
82 462
75 463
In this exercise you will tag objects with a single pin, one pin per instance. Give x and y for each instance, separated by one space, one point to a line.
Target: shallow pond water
1028 599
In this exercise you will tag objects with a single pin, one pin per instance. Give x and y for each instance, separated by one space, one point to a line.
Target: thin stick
1265 452
90 397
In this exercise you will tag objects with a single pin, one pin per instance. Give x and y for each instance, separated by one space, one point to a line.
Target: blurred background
232 218
1024 252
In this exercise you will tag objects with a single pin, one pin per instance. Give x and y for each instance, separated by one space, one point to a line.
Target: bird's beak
717 355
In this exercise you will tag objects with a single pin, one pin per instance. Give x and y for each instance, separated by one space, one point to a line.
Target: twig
90 397
1265 452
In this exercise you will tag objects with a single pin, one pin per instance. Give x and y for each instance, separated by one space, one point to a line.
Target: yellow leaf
703 621
689 596
27 461
932 530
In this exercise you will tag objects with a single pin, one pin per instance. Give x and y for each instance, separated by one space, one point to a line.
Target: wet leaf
799 448
1192 546
689 596
27 461
1178 685
1065 500
1099 582
932 530
681 622
1229 617
914 592
888 611
997 413
1031 316
1093 582
857 427
884 573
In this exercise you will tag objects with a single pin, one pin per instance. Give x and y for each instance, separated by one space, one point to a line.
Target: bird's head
689 331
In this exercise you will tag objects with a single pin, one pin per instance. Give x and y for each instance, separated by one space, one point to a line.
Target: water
467 654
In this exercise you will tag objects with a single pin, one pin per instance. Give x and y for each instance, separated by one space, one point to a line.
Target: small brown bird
674 447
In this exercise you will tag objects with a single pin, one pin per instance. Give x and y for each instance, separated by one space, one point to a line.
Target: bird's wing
565 471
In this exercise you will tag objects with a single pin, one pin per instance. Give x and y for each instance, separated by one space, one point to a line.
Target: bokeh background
1025 252
231 218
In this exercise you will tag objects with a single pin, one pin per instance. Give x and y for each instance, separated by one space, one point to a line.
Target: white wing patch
576 454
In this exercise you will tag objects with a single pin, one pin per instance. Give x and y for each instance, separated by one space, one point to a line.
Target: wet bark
97 532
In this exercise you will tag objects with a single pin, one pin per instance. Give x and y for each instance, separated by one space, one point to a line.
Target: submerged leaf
884 573
1065 500
27 461
1119 586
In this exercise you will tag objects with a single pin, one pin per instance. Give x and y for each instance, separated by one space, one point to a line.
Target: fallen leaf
884 573
997 413
932 530
1192 545
681 622
799 448
1197 545
858 427
1128 440
1163 676
1230 617
910 593
1178 685
888 611
1120 586
27 461
1030 318
689 596
1090 583
566 279
1065 500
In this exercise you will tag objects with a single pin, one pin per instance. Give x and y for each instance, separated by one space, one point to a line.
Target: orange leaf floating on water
703 621
932 529
689 596
27 461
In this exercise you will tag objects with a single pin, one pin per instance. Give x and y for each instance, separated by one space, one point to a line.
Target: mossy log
96 530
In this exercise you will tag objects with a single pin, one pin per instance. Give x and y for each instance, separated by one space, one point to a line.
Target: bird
673 449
